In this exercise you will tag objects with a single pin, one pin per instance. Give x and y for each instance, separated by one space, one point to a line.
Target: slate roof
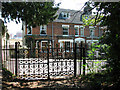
74 16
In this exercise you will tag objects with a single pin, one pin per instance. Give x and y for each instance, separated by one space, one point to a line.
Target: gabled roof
74 16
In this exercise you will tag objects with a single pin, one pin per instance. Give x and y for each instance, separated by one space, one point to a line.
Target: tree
111 19
33 13
4 31
90 20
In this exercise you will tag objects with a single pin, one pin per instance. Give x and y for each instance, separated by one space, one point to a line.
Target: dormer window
64 15
43 29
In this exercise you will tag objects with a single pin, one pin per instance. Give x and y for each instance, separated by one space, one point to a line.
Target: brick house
66 29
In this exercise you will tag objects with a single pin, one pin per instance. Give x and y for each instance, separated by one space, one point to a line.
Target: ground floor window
67 46
44 45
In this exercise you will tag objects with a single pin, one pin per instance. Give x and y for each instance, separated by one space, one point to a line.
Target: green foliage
102 48
90 20
112 37
33 13
28 40
7 75
30 43
111 19
4 31
100 81
91 52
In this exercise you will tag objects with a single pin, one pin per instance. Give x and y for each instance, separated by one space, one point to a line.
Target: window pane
65 14
92 32
65 33
43 32
67 45
65 30
43 29
76 30
82 31
44 46
29 30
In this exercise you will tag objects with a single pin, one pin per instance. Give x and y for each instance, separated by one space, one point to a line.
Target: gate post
48 62
16 58
81 55
75 65
84 61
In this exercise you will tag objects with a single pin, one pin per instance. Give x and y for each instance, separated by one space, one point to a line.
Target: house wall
57 27
36 30
86 31
58 31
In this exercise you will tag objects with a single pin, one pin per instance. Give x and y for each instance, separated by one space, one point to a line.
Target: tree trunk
0 46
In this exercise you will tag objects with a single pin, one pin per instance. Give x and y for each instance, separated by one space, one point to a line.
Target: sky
13 28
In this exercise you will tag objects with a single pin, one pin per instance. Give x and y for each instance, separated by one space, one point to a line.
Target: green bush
7 75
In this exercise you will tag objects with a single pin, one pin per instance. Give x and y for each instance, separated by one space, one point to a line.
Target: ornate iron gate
48 63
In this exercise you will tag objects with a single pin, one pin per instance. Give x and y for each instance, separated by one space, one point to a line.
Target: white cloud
13 28
71 4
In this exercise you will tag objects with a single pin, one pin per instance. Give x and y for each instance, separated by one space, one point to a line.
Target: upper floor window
29 30
43 29
82 30
65 29
92 31
64 15
76 27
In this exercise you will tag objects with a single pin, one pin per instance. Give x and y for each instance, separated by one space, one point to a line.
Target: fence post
84 61
16 58
57 52
48 62
75 65
65 50
81 55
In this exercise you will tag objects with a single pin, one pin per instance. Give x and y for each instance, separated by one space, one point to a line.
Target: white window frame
68 29
45 29
70 45
76 26
92 31
61 41
31 31
37 43
65 14
81 30
61 44
41 43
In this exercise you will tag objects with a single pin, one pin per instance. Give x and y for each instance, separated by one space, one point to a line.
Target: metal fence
49 63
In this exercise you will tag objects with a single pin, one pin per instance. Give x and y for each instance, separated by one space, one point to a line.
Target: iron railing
49 63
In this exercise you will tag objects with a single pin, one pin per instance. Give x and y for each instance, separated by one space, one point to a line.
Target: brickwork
36 30
58 31
86 31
